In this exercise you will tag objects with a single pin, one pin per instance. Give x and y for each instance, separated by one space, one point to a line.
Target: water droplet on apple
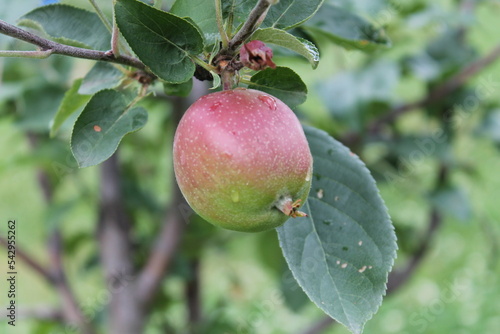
235 196
269 101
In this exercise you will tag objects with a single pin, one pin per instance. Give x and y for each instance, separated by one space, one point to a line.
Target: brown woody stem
66 50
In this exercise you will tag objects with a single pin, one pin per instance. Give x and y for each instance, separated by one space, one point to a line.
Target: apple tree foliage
342 252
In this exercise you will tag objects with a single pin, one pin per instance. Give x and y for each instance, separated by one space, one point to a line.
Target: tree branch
168 241
54 275
115 246
255 17
398 278
163 253
166 245
71 310
31 262
440 91
66 50
193 296
46 313
320 326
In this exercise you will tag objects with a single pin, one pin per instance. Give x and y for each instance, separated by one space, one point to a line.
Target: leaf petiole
220 24
41 54
101 15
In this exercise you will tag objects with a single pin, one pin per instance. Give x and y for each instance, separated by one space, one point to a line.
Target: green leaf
57 213
453 201
352 96
181 90
281 38
216 82
163 41
371 7
11 90
281 82
102 124
449 51
239 8
293 295
490 126
101 76
287 14
346 29
72 101
40 106
10 11
342 252
69 25
202 12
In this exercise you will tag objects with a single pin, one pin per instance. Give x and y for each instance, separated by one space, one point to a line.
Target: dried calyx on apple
241 159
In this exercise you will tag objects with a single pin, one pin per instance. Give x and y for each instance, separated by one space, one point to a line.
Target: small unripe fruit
242 161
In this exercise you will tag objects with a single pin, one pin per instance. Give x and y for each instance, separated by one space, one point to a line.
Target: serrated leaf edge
35 25
53 129
314 56
187 53
298 23
393 237
128 108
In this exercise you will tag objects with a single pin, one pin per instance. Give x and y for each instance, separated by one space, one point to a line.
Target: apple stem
227 77
290 207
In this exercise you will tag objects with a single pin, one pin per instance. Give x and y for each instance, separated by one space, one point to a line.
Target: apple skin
241 158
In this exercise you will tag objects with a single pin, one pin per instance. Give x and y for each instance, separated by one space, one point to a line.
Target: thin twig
320 326
399 277
440 91
42 270
193 295
248 28
31 262
71 310
163 253
159 263
66 50
54 274
45 313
